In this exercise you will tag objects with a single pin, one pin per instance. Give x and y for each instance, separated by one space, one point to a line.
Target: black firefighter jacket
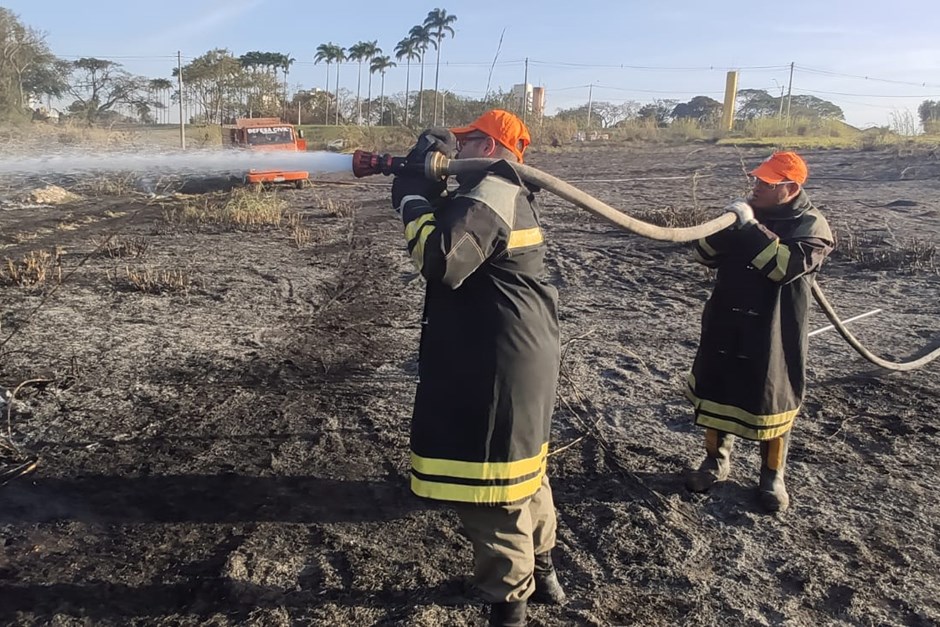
489 354
748 377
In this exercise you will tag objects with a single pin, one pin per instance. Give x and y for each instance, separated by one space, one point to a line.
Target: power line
867 78
623 66
109 56
840 93
655 91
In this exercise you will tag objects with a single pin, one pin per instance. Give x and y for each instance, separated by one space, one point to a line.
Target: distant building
538 102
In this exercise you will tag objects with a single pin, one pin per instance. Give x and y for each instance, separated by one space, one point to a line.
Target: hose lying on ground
439 165
861 350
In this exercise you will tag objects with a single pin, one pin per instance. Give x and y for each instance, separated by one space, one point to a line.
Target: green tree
381 64
407 49
658 111
607 113
929 113
438 22
756 103
98 86
213 82
701 108
808 106
27 68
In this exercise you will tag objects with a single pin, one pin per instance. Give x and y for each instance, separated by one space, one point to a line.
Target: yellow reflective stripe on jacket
709 250
705 261
525 237
738 421
774 252
476 494
412 228
416 228
484 471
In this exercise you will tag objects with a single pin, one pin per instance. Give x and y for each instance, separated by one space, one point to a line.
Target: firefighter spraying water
436 166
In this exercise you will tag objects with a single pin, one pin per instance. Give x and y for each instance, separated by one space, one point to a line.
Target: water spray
190 162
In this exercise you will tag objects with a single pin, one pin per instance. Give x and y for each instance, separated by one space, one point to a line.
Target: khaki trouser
506 539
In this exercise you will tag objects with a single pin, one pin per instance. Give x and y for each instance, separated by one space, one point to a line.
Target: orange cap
780 167
502 126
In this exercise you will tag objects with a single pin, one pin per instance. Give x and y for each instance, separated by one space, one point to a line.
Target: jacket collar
502 168
791 210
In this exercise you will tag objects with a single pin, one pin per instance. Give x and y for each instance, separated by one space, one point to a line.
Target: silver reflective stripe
499 195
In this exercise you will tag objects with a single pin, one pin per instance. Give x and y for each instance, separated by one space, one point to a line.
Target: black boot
717 464
508 614
773 462
548 589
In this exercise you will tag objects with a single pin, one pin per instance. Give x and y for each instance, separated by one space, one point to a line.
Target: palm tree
371 50
438 22
359 52
407 49
339 55
160 87
252 61
422 39
325 54
286 62
381 64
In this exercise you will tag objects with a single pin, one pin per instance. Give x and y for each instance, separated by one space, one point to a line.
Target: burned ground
235 451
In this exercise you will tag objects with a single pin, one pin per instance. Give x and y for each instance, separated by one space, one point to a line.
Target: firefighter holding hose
748 377
488 359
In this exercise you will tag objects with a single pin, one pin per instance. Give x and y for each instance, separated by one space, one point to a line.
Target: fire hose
436 166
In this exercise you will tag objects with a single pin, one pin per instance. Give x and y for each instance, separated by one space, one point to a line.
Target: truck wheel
300 184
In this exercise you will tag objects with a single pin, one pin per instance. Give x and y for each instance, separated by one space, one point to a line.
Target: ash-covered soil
237 453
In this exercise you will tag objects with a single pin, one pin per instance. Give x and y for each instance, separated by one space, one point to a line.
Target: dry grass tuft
35 270
154 281
336 208
117 184
21 237
300 233
678 217
242 208
882 253
117 247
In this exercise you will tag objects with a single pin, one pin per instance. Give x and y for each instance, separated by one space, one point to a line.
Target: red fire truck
265 135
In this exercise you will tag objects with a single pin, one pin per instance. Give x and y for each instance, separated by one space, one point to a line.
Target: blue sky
876 60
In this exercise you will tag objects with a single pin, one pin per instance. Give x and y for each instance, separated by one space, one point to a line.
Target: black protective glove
436 139
413 185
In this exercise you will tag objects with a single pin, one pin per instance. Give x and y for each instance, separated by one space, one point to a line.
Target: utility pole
789 95
525 91
590 102
179 83
731 92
